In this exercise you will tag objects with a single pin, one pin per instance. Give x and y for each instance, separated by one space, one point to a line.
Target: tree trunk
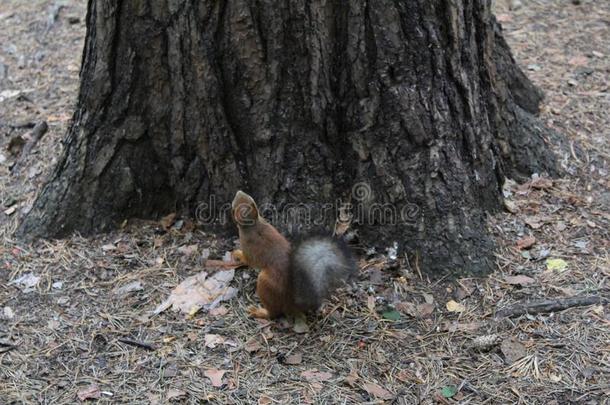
412 111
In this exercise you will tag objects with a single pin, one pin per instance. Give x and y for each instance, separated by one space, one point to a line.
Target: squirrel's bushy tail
319 265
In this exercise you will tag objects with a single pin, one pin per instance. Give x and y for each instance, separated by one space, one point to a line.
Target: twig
6 347
538 307
37 133
136 343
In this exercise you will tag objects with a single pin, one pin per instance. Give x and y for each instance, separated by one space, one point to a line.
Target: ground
394 336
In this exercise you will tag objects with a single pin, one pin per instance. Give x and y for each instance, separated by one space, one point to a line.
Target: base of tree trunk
416 109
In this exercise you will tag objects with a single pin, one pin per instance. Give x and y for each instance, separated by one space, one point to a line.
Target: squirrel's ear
245 211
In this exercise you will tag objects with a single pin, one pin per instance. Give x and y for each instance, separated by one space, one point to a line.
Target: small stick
37 133
136 343
538 307
6 347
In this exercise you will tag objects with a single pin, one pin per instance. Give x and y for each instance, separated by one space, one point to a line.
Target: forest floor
76 315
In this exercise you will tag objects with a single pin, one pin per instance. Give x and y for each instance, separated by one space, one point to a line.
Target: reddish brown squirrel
291 281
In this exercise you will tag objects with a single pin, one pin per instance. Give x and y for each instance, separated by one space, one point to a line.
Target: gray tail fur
319 265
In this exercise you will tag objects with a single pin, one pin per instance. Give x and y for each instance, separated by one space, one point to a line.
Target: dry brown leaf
264 400
215 375
370 303
352 378
425 310
526 242
252 346
168 220
534 221
511 206
219 311
175 394
314 375
295 358
512 350
407 376
428 298
453 306
407 308
91 392
377 391
211 340
188 250
200 291
518 280
580 60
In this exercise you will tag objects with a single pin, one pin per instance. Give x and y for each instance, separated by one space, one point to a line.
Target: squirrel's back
319 265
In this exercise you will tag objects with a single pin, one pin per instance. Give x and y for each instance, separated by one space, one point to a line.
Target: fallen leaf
392 315
370 303
219 311
377 391
518 280
293 359
579 60
352 378
512 350
211 340
175 394
215 376
526 242
27 281
424 310
168 220
91 392
597 309
429 298
189 250
127 288
264 400
316 376
449 391
252 346
511 206
558 265
108 247
300 324
534 222
453 306
200 291
407 308
407 376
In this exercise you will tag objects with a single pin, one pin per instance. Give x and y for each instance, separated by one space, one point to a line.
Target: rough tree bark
419 103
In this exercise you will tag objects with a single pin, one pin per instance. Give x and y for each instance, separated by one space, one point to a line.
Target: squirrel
292 280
